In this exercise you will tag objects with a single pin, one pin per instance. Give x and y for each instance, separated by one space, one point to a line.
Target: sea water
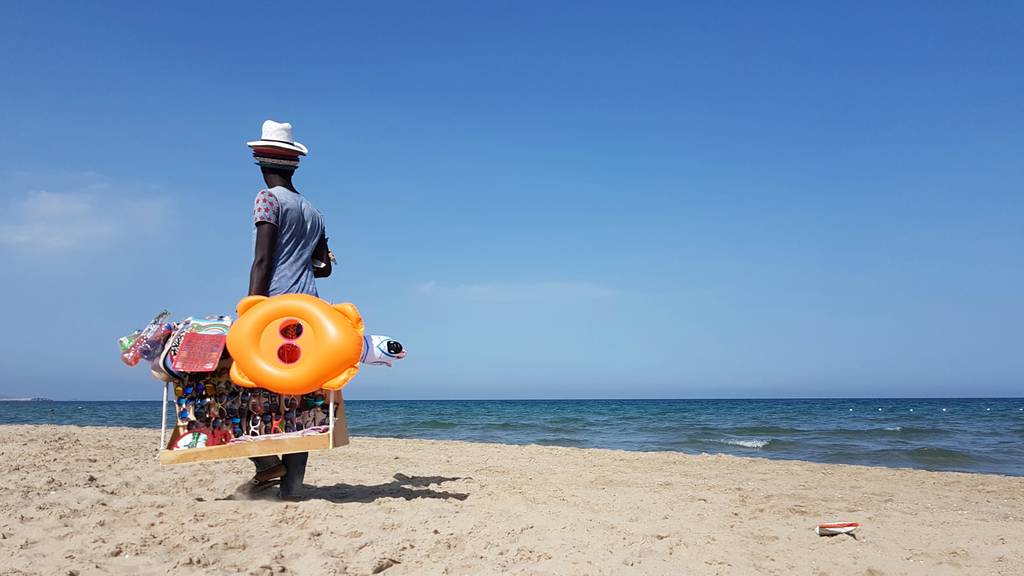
969 435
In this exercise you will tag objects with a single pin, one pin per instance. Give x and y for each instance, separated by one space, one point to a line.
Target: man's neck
281 181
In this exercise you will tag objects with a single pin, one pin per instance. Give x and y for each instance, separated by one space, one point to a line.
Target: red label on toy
199 352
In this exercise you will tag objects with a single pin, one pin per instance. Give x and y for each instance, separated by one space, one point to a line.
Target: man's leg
265 462
291 483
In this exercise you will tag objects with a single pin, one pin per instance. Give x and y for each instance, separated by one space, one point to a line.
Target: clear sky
540 199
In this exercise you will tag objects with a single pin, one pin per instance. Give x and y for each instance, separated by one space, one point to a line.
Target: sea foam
756 443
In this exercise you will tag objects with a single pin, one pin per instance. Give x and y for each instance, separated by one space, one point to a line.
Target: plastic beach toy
381 350
131 345
295 344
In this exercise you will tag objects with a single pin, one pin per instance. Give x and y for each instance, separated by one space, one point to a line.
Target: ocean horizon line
568 399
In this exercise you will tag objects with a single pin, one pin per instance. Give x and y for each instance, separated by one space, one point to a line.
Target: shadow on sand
407 487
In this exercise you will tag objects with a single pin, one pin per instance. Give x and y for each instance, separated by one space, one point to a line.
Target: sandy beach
94 501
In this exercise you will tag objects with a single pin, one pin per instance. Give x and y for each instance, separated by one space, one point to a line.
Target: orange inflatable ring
295 344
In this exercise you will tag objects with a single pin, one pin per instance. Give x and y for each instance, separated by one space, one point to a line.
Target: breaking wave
745 443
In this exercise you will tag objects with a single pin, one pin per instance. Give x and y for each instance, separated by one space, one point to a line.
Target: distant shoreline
26 400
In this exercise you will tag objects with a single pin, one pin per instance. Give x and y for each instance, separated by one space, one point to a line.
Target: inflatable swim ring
295 344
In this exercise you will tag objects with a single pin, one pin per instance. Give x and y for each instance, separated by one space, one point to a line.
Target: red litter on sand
836 528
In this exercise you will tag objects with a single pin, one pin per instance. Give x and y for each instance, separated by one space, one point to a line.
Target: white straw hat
278 135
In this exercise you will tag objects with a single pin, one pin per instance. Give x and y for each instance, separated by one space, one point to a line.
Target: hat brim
293 146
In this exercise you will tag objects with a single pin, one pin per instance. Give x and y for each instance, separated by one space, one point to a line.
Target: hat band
276 162
281 141
279 153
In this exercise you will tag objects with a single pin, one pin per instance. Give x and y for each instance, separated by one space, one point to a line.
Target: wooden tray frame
337 435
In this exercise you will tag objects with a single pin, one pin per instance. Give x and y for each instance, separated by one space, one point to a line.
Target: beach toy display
266 383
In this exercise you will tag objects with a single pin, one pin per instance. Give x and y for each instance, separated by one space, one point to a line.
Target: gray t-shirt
299 227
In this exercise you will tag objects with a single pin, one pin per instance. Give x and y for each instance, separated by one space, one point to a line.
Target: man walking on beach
291 252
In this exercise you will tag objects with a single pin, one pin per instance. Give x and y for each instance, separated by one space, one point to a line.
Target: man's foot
289 497
275 472
262 480
255 489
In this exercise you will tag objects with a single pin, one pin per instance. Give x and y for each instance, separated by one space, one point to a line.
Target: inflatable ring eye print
295 344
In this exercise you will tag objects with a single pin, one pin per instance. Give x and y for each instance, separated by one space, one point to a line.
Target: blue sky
592 199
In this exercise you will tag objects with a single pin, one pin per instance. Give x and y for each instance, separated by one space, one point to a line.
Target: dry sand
94 501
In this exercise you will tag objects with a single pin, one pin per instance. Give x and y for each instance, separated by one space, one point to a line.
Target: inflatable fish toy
381 350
